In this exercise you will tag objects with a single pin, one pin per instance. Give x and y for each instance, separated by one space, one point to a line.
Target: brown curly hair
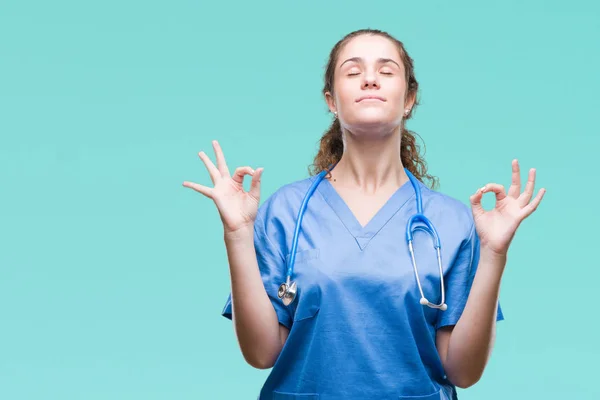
331 146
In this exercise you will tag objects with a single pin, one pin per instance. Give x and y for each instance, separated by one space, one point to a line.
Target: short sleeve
272 270
459 280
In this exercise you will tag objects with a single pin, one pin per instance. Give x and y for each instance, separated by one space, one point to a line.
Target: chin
373 122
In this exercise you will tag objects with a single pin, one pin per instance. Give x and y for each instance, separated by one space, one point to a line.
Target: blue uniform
357 329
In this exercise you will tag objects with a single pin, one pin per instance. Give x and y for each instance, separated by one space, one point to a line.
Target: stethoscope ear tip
425 302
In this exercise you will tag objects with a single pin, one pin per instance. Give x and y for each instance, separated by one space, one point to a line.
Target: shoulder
284 202
277 215
290 192
450 209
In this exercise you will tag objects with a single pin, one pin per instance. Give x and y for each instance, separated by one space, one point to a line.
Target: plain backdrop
113 275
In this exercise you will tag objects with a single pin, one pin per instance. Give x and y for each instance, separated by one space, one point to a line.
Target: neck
371 162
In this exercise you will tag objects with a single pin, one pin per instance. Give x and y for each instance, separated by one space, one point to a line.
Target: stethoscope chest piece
287 293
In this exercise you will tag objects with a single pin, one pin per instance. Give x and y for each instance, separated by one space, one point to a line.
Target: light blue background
113 276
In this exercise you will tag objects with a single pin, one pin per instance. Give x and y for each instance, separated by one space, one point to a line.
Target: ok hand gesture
497 227
236 207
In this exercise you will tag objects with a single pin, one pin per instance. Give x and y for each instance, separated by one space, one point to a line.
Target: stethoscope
287 290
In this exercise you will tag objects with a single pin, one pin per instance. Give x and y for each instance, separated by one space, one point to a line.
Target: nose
370 80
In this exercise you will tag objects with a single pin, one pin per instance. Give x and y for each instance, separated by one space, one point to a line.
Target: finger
531 207
239 174
529 186
212 170
515 187
496 188
221 164
476 203
255 185
199 188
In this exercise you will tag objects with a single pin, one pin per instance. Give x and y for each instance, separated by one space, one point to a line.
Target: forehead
370 48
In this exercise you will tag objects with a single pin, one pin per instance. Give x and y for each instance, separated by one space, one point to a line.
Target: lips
370 97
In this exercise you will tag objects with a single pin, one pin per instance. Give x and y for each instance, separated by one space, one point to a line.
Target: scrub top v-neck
364 234
357 329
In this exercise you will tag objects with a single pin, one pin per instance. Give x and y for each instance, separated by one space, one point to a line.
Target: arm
466 347
255 320
257 328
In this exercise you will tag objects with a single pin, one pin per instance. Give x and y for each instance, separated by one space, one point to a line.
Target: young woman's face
369 85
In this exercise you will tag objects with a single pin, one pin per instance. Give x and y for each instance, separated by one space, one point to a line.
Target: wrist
239 234
493 256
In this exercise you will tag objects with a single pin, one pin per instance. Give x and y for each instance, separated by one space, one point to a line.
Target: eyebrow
361 60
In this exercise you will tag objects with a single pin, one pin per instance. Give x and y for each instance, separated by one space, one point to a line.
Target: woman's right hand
236 207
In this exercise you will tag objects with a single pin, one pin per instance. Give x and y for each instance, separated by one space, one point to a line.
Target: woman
359 326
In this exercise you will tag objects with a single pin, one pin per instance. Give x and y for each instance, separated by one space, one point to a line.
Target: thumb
255 184
476 203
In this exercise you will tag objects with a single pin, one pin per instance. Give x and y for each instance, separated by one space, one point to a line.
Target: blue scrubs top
357 329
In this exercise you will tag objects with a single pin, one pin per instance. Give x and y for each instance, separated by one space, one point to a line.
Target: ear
330 102
410 101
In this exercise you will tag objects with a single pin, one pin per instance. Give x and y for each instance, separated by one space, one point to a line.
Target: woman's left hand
497 227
